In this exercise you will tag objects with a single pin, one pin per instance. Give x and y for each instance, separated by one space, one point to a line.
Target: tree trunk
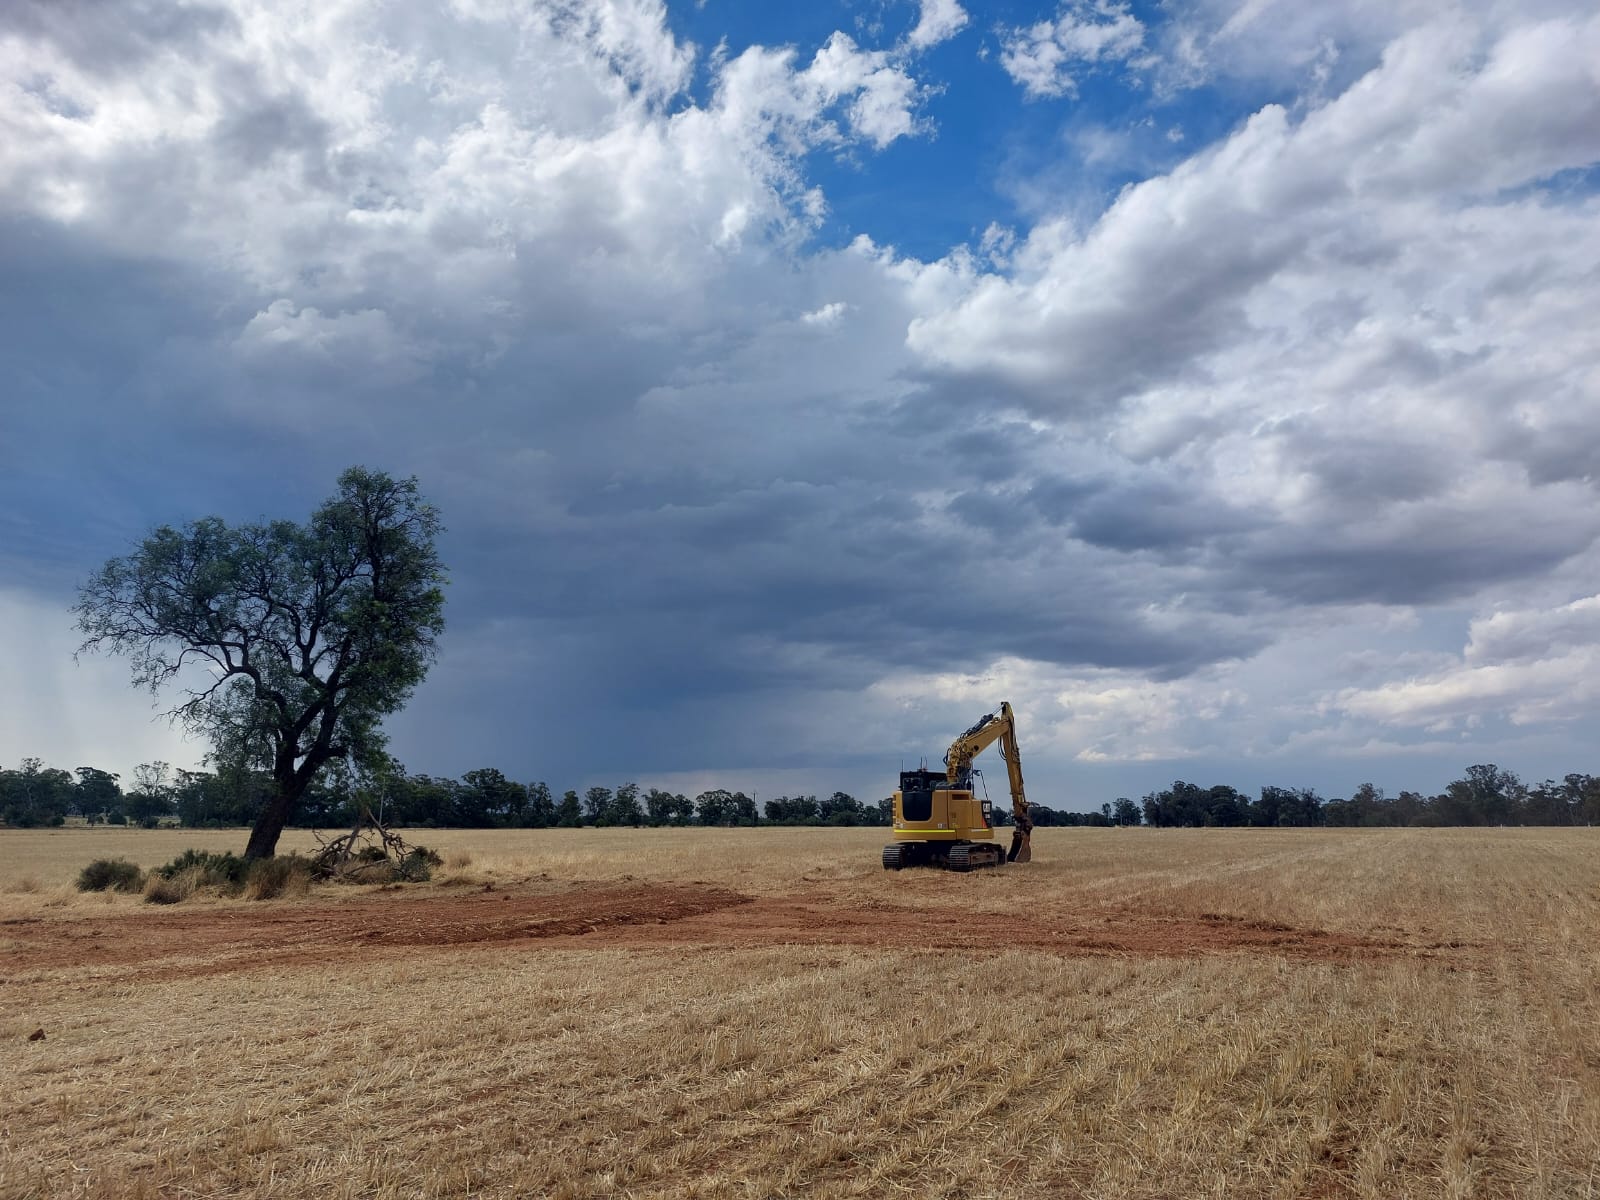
274 816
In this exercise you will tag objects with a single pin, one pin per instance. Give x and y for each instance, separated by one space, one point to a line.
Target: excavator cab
939 824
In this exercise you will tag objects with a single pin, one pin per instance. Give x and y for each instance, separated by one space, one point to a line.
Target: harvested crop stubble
1337 1014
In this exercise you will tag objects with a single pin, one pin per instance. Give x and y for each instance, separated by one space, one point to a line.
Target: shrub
171 889
114 873
268 878
417 866
211 870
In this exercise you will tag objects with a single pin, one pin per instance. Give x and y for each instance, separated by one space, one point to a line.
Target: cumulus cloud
1529 666
1351 337
937 21
1043 57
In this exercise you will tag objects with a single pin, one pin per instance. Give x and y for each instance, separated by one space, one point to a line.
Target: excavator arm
958 770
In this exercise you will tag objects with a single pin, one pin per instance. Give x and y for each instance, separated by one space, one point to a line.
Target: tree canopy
290 642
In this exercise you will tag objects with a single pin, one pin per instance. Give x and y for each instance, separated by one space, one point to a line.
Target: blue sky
1216 381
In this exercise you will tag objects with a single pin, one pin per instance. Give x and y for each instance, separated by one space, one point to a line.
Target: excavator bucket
1021 851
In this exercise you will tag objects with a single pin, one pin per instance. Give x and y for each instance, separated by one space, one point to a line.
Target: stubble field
767 1013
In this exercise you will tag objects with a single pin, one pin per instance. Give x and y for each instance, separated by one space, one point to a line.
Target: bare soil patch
239 936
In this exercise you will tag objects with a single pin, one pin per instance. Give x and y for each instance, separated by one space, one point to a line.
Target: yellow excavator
937 820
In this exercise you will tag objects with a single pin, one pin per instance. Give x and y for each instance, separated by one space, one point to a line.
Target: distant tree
841 808
487 798
97 793
568 813
793 810
1300 807
682 809
151 796
204 799
310 634
423 800
1126 812
34 794
541 810
659 806
1340 813
715 807
1486 796
1372 807
625 808
597 806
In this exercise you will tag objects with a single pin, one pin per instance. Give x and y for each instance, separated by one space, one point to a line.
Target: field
767 1013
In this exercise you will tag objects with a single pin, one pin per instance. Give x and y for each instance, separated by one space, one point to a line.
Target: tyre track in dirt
219 939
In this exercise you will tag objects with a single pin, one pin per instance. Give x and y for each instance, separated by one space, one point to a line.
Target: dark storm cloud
1440 557
714 495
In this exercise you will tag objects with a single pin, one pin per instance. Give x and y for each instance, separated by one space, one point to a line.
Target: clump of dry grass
285 875
174 888
458 860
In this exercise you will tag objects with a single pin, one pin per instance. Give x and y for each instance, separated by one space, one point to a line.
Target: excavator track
973 856
963 856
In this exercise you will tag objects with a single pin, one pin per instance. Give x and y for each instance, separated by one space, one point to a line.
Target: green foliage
417 866
210 869
110 874
624 808
722 807
97 794
597 806
34 794
540 812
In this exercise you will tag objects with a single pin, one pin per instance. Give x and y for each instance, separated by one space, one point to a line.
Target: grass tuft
174 888
285 875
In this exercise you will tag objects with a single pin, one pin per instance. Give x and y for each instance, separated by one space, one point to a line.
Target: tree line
34 794
1485 795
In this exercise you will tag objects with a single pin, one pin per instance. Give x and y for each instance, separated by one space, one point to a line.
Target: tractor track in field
225 937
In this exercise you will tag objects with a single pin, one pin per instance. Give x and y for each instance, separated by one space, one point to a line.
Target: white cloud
1530 666
1369 323
937 21
1043 57
826 316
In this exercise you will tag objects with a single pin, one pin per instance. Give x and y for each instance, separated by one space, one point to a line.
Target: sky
1216 381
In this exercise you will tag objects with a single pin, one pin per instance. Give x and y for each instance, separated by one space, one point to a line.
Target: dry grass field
740 1013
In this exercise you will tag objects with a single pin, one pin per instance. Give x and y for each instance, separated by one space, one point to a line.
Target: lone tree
309 634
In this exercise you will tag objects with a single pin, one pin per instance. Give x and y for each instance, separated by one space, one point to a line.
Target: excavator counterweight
939 822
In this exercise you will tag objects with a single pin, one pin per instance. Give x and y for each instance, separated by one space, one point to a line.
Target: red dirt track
241 935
